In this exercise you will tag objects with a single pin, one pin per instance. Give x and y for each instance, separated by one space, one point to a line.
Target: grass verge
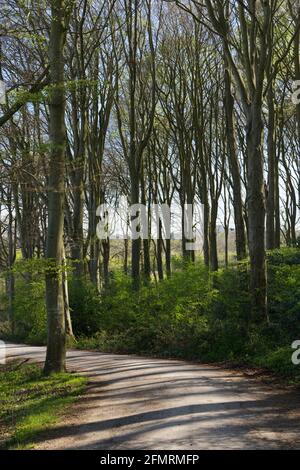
31 403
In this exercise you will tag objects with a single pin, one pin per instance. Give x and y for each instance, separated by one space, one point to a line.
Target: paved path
141 403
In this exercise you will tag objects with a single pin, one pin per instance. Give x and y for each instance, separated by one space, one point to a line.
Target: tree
139 51
56 343
252 51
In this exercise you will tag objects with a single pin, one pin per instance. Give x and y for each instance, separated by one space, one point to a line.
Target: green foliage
30 403
279 361
203 317
284 256
157 319
29 301
84 306
30 310
193 315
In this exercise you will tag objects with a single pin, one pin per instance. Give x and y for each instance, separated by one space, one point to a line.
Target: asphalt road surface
134 402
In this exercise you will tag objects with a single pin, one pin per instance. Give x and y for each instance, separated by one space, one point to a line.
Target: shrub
193 315
30 311
288 256
85 307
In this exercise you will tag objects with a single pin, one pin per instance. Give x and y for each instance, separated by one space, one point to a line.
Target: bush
204 317
29 307
30 315
193 315
85 307
288 256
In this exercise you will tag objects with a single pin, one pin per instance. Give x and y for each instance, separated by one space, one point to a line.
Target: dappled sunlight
145 403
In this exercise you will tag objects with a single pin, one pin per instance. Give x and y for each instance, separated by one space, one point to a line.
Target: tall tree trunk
105 248
56 343
206 218
146 259
234 169
226 226
297 72
213 251
68 320
277 201
95 242
77 239
297 64
270 227
135 243
168 256
256 211
159 248
125 265
146 244
10 282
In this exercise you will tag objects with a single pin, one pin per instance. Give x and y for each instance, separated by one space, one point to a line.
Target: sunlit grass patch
31 403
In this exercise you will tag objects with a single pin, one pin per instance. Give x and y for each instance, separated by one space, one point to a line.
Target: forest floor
134 402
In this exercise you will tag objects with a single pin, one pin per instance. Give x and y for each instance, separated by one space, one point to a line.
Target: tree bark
146 243
68 320
168 257
56 342
213 251
10 282
159 248
270 226
256 211
234 169
135 243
